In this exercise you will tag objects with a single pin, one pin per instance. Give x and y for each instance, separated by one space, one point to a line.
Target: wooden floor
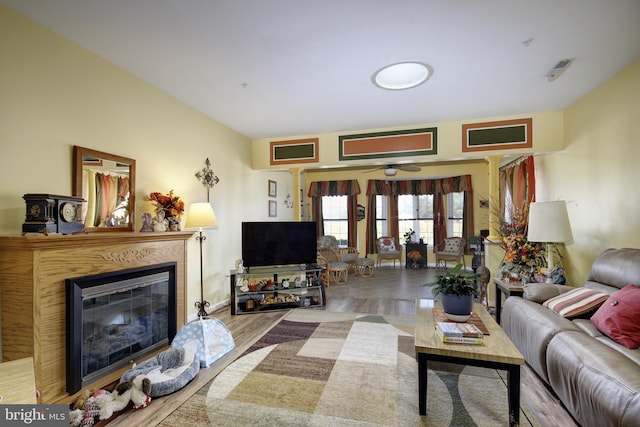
392 291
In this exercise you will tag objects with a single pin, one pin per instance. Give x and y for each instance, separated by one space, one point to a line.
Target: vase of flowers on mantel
169 210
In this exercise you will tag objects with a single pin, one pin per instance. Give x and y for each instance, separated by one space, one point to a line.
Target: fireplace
117 318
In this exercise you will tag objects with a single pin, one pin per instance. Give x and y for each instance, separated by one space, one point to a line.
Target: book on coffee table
459 330
458 334
460 340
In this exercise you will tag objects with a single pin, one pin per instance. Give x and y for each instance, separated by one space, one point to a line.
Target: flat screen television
278 243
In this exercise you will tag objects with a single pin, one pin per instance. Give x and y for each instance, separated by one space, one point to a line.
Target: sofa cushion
576 302
616 267
618 317
597 384
540 292
531 326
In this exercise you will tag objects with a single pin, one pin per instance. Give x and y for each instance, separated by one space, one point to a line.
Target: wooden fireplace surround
33 270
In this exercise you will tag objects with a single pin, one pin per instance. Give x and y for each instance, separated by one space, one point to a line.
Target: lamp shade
549 222
201 215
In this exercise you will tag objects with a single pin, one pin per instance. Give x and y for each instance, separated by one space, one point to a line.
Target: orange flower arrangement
172 205
517 249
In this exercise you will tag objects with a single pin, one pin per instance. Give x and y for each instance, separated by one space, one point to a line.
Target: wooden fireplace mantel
33 270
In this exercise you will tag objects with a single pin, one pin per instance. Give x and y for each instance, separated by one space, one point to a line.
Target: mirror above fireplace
107 183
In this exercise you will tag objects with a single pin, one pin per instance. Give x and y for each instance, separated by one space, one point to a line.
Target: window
416 213
382 226
455 211
334 215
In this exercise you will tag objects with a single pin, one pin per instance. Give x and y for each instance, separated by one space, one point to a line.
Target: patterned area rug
317 368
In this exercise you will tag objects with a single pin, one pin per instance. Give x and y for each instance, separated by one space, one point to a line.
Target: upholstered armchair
388 249
348 254
453 251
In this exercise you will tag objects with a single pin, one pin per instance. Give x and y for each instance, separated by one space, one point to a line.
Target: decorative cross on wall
207 177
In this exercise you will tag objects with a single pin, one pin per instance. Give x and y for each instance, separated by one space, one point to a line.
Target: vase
174 223
456 307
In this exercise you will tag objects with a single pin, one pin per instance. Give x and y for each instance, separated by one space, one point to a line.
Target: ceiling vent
558 69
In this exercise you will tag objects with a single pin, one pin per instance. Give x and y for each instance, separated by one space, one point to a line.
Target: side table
509 290
421 248
364 267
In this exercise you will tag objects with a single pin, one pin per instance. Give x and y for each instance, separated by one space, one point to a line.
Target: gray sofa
597 379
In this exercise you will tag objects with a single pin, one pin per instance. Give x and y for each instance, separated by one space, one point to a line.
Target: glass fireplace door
121 321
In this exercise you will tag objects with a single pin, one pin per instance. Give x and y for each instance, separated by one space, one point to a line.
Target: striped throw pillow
576 302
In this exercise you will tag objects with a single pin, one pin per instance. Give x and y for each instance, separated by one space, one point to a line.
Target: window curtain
374 188
350 188
439 187
440 222
518 178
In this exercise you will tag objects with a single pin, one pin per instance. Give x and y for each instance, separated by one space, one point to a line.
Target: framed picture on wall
273 208
273 188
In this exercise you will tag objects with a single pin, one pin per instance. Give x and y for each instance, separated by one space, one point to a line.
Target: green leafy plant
408 236
455 282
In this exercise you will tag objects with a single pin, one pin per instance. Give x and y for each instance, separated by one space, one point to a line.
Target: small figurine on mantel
146 222
159 222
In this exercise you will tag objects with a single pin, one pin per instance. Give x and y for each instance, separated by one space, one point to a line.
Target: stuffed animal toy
86 411
140 391
75 417
115 401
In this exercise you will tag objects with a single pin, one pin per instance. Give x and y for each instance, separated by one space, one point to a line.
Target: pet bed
168 372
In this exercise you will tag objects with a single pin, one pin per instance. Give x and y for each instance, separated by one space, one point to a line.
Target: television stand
276 288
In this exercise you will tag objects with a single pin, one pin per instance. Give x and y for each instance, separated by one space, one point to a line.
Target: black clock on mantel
49 213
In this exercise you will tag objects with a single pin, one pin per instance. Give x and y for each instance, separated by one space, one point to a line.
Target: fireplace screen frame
95 285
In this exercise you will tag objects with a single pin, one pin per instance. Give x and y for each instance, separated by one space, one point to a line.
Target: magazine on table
459 330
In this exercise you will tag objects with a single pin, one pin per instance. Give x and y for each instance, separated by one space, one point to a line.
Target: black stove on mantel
115 319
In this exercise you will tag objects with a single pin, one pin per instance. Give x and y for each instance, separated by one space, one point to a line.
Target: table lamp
201 216
549 223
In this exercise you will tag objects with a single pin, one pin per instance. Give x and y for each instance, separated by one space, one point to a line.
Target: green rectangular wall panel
294 152
499 135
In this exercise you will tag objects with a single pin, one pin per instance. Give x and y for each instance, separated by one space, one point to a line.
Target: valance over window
334 188
454 184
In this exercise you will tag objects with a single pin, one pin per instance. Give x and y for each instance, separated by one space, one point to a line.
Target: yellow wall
54 94
598 171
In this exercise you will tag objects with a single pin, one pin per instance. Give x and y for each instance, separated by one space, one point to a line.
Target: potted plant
456 289
408 236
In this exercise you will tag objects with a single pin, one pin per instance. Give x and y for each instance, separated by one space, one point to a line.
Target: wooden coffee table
497 352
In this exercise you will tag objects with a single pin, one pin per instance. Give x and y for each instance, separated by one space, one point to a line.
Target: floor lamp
549 223
201 216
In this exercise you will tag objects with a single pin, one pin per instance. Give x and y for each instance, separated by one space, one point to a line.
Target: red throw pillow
618 317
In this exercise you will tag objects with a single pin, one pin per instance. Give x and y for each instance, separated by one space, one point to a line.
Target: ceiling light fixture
402 75
390 171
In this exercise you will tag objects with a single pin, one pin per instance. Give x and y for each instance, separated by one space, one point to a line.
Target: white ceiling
276 68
